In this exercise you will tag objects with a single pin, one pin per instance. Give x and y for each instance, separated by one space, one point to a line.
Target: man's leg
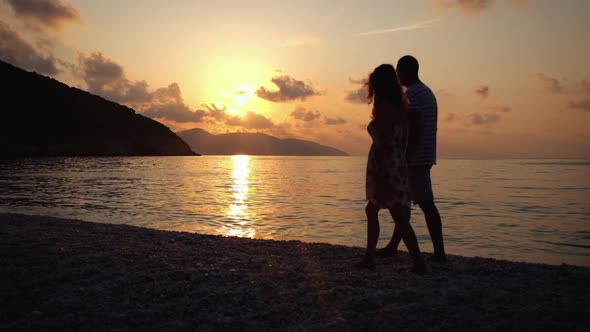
434 224
421 192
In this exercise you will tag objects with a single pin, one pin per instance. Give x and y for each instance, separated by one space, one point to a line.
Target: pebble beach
61 274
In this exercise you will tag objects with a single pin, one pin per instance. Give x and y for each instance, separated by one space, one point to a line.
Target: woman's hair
384 89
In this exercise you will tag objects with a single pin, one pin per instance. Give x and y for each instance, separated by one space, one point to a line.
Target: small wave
507 225
572 245
547 188
563 244
558 163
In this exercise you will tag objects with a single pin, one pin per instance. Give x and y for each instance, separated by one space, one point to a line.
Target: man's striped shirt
422 100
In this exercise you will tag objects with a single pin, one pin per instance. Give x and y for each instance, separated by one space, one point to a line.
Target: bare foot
386 252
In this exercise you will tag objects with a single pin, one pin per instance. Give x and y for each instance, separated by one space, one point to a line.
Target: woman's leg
372 212
401 216
391 248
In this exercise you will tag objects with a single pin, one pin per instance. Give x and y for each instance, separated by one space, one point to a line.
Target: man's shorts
420 184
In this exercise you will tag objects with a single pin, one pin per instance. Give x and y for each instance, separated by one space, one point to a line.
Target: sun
243 94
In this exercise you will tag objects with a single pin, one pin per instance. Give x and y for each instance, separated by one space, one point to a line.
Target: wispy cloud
550 83
582 105
415 26
484 119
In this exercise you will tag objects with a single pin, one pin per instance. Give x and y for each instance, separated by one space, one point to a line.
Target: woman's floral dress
387 168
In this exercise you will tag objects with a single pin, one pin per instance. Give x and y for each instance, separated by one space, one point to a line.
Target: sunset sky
511 76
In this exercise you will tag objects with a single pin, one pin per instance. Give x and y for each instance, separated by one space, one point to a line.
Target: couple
403 129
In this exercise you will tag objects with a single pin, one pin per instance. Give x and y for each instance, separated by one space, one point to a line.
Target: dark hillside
44 117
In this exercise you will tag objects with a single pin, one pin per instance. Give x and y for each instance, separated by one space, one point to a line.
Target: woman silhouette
387 170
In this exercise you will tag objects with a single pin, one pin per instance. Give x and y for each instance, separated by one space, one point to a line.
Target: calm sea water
524 210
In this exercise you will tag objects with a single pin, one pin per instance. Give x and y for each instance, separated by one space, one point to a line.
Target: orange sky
511 76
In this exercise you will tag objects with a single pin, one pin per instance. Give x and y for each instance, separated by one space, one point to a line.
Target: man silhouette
421 155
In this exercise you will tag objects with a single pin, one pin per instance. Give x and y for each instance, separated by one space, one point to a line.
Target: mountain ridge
253 144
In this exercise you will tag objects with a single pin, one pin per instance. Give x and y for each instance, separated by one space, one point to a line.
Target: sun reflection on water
238 209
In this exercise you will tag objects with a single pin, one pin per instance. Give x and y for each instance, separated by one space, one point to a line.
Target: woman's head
384 88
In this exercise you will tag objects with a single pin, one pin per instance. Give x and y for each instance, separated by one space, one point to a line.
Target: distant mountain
41 116
253 144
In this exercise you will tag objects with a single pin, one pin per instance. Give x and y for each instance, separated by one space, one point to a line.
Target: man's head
407 70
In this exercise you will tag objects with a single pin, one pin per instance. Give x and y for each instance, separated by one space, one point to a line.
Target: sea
519 210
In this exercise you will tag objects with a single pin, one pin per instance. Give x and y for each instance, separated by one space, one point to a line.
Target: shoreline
71 274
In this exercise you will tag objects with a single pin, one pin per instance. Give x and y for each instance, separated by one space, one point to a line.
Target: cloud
574 89
309 117
44 13
358 96
582 87
442 93
252 120
481 120
289 89
359 81
174 112
484 119
106 78
415 26
582 105
475 7
482 91
167 103
549 83
256 121
334 121
17 51
469 7
302 114
44 44
501 109
216 113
